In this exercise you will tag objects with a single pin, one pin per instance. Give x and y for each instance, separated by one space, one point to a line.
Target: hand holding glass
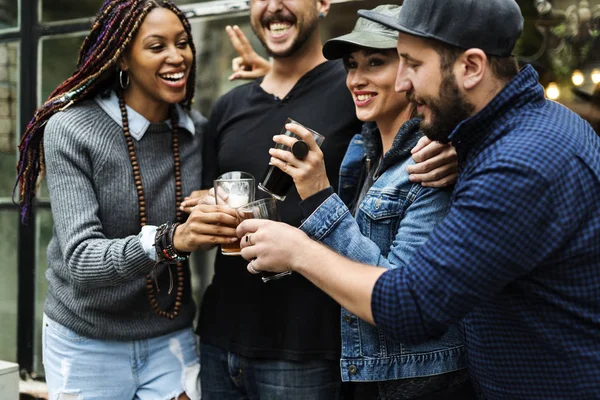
234 189
262 209
276 182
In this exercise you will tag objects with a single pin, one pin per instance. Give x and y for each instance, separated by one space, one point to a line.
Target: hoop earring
123 83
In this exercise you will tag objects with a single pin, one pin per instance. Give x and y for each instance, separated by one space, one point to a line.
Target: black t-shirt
289 318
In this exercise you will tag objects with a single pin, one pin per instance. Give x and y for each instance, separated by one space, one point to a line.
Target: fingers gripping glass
234 189
262 209
276 182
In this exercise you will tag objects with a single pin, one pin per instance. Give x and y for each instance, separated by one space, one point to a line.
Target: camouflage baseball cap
366 33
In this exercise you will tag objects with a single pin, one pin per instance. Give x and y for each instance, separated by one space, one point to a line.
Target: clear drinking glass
262 209
234 189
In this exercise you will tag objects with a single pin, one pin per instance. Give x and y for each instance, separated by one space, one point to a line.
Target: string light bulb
543 6
596 75
577 78
552 91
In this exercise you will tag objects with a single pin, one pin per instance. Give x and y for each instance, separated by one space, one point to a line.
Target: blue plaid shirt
518 255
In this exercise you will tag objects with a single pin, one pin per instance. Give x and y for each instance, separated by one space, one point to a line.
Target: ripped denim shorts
159 368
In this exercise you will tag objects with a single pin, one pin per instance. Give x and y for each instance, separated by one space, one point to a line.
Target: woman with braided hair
119 146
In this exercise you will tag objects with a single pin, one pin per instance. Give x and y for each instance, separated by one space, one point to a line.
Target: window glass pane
9 13
59 59
60 10
43 234
8 116
8 285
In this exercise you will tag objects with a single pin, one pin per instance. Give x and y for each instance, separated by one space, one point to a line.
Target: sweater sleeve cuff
147 236
311 203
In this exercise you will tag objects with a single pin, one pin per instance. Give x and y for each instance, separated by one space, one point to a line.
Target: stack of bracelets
163 243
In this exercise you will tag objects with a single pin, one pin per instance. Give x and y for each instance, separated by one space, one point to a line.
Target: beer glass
234 189
275 182
263 209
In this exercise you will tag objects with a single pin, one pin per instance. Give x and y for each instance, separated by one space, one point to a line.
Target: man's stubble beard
450 108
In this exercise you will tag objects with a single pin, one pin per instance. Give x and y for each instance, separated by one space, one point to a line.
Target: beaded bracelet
163 243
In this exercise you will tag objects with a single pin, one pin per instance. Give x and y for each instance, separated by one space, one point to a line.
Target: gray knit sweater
96 264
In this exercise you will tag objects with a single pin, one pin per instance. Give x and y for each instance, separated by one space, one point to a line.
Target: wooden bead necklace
137 177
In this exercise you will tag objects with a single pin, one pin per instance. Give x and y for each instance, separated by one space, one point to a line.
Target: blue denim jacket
393 220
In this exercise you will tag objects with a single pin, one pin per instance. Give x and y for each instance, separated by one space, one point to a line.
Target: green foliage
569 54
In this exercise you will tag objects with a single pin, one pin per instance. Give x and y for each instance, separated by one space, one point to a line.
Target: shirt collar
523 91
138 125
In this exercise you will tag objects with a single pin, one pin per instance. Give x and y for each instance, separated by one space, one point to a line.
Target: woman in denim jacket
392 217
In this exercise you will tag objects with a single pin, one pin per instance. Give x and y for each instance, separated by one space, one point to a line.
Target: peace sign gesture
248 65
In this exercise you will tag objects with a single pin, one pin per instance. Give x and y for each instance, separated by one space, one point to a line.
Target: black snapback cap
493 26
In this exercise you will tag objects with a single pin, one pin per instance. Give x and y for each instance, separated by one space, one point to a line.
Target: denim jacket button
378 203
352 369
347 318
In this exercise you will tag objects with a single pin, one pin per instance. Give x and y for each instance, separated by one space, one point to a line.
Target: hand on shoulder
436 164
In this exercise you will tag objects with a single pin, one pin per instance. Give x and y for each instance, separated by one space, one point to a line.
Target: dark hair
504 68
351 48
112 31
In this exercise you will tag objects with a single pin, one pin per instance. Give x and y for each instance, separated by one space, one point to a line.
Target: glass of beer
262 209
275 182
234 189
